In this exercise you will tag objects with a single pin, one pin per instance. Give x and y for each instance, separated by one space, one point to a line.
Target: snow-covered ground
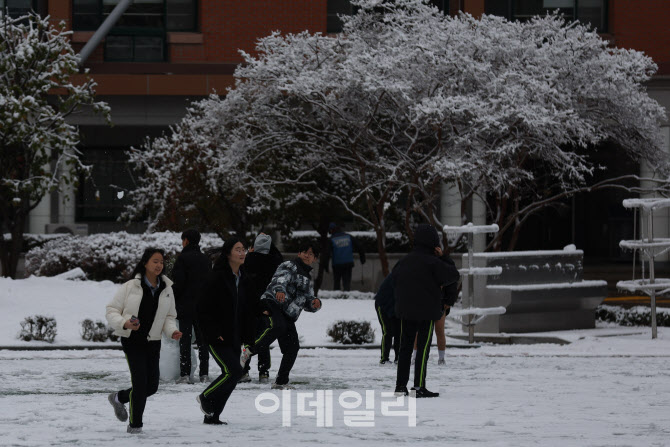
596 391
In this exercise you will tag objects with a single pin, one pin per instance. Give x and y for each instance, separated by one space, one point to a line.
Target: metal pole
651 255
104 29
471 287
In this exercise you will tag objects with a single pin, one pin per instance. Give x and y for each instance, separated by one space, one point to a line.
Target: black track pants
390 334
143 360
222 387
186 327
423 331
281 328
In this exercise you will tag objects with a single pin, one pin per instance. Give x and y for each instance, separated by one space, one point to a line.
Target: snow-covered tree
38 153
406 99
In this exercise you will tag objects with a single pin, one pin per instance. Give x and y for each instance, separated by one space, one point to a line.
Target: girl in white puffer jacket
142 309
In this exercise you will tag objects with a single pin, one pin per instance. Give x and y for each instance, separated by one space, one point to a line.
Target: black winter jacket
385 297
260 269
418 278
189 275
222 310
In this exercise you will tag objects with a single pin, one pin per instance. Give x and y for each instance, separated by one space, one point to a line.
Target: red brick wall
642 25
229 25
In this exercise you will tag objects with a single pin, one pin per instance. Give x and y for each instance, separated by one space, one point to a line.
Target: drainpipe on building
104 29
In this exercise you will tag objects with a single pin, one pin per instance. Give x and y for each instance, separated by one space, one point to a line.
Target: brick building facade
164 54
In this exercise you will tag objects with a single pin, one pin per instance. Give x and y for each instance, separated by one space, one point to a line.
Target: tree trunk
10 251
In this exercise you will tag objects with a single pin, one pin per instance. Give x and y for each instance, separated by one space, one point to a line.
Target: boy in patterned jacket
289 293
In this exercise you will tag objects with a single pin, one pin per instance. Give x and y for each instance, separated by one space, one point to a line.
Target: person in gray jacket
289 293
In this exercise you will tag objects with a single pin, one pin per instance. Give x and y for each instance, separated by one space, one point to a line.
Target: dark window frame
37 6
101 17
137 31
510 7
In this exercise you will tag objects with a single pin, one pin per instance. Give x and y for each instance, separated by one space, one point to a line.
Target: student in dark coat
222 313
261 264
189 274
418 280
385 308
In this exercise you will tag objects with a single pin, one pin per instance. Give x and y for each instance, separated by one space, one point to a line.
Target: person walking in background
142 309
418 281
385 309
261 264
222 313
341 251
189 275
289 293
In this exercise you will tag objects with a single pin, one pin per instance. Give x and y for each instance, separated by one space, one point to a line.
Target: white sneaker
244 356
276 386
119 408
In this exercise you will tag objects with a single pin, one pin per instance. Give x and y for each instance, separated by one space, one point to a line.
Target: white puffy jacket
126 303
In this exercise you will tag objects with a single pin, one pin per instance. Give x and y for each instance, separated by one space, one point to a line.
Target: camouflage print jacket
294 280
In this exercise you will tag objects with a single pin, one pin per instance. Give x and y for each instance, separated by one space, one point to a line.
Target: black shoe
263 377
205 406
401 391
423 392
384 361
213 420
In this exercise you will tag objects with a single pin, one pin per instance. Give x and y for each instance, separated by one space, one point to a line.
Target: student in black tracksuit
189 274
385 308
261 264
418 280
222 313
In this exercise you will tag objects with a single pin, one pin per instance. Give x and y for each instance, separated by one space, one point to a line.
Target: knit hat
262 244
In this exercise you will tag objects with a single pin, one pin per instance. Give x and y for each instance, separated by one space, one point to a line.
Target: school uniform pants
342 272
264 359
390 334
423 331
218 392
143 361
186 327
277 326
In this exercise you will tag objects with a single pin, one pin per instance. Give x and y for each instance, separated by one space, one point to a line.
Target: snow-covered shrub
97 331
345 295
108 256
635 316
39 328
351 332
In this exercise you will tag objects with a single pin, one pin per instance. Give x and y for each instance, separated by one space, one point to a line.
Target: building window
337 8
593 12
442 5
139 34
98 198
18 8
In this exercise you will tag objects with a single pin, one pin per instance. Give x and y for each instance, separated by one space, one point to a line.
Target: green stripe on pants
424 360
215 385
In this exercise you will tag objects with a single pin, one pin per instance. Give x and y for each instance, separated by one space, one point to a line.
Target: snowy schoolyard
609 387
